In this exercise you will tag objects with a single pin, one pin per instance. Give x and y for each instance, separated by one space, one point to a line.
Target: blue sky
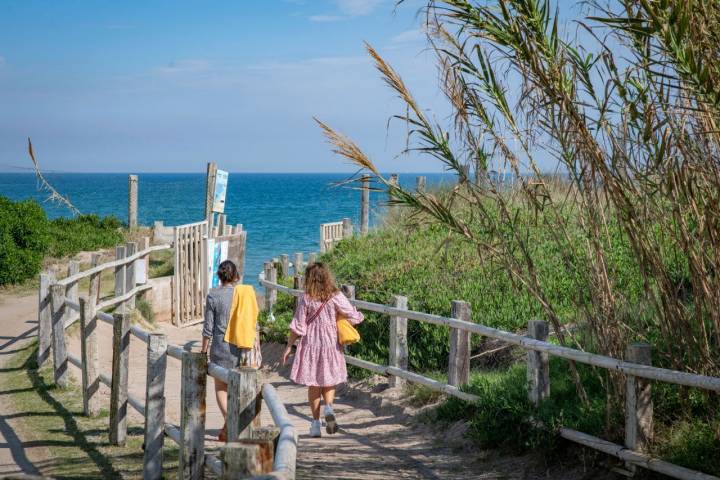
166 86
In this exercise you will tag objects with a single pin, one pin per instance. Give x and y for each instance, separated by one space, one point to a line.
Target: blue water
281 212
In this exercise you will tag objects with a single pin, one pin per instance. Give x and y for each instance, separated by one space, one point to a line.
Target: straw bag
347 334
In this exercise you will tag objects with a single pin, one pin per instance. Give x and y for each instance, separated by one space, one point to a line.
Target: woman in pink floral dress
319 362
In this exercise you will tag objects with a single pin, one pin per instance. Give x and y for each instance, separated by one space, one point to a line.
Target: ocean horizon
281 212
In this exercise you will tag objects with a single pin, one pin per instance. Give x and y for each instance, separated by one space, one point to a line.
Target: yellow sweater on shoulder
242 323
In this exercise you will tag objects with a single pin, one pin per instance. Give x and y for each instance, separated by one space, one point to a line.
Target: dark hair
227 272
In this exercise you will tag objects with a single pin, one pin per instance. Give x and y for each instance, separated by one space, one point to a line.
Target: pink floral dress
319 360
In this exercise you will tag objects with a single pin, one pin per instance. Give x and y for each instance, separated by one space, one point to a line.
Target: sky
167 86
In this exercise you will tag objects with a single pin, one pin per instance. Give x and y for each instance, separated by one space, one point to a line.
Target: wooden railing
250 449
637 369
332 233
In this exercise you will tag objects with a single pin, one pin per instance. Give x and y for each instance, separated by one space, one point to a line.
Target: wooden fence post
45 318
243 403
247 458
94 290
420 184
120 272
398 341
155 406
221 224
298 263
298 282
272 298
130 249
285 264
347 228
459 360
192 415
210 193
119 388
348 290
538 366
365 206
132 201
144 245
60 359
71 291
89 357
638 402
312 257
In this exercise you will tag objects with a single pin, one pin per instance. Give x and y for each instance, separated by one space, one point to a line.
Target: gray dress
217 314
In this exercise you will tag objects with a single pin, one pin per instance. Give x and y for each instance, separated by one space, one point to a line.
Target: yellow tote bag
347 334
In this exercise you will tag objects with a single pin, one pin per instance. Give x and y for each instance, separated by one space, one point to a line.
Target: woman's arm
298 327
344 308
288 348
208 325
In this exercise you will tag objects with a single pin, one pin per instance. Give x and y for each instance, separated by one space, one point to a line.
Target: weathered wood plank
398 341
365 206
60 360
155 406
119 389
130 249
459 357
298 267
638 401
285 264
132 201
176 279
347 228
45 325
538 364
71 289
192 415
312 257
246 458
120 271
89 358
243 403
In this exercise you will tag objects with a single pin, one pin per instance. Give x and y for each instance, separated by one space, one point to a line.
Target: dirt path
18 317
378 438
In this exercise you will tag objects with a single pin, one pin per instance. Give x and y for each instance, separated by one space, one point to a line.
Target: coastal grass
50 417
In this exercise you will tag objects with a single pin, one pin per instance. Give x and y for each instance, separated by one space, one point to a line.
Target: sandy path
377 440
18 321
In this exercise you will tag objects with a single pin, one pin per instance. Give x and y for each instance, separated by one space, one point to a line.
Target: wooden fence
332 233
636 368
252 450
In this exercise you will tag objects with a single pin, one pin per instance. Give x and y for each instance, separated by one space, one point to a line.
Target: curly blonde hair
319 282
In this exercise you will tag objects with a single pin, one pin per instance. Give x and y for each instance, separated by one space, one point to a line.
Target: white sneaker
330 422
315 429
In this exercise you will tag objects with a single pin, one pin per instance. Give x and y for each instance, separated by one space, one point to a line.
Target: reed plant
626 108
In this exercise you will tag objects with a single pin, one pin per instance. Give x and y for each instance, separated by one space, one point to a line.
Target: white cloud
325 18
358 8
408 36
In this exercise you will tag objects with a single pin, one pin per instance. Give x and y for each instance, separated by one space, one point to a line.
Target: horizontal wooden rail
124 297
115 263
216 371
173 432
214 464
286 452
628 368
633 457
175 351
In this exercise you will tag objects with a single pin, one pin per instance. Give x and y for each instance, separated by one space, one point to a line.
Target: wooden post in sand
459 359
89 357
638 402
298 260
243 403
347 228
71 290
60 358
192 415
120 272
155 406
398 341
285 264
132 201
247 458
130 249
119 388
365 206
45 318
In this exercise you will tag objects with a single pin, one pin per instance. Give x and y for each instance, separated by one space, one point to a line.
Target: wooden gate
190 278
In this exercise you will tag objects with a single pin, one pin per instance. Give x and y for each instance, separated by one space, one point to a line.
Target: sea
281 213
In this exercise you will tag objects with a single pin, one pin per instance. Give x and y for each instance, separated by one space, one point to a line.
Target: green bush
24 239
85 232
26 236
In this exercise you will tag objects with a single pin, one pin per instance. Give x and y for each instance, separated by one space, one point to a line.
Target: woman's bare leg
314 400
328 394
221 395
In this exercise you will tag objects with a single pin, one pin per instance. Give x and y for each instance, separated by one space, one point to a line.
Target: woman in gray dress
217 311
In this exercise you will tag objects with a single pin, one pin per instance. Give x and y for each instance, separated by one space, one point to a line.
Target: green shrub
85 232
24 238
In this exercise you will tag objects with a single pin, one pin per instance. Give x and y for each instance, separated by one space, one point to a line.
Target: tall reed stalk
627 108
